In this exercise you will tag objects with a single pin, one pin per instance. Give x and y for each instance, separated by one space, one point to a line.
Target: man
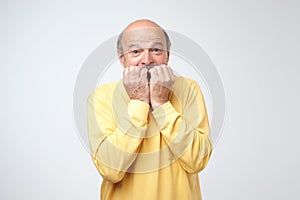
149 133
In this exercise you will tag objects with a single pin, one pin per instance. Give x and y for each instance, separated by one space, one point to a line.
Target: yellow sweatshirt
149 155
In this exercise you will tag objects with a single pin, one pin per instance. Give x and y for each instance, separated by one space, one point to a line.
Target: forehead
143 36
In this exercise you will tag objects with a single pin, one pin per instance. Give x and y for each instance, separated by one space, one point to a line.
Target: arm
186 133
114 145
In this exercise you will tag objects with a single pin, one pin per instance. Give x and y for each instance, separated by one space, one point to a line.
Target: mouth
149 67
148 73
148 76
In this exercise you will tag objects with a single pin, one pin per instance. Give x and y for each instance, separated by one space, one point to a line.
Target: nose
146 58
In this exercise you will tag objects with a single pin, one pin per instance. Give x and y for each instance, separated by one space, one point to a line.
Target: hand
136 83
161 82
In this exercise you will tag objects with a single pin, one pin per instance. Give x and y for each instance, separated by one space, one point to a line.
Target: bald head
138 25
141 23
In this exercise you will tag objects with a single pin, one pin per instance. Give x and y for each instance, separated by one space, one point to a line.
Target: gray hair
120 46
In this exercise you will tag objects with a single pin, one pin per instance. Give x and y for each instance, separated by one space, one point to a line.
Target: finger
130 69
168 80
160 73
125 71
143 75
170 71
168 67
136 72
165 73
154 75
125 75
131 73
172 76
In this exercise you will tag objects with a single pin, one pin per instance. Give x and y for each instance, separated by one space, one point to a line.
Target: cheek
132 61
163 59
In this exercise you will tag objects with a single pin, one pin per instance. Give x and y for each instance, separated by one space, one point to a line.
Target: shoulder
107 87
184 83
104 90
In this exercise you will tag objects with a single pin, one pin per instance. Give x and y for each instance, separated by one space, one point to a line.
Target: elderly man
149 133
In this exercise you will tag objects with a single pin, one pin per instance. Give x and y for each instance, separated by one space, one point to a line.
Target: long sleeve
187 131
115 144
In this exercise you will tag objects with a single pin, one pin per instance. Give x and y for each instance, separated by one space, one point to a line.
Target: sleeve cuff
138 112
164 114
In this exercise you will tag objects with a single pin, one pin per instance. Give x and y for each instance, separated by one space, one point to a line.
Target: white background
254 45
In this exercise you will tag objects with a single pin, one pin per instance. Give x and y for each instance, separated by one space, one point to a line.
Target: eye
156 50
135 52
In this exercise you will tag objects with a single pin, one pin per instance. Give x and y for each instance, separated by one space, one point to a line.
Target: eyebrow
158 43
151 44
132 45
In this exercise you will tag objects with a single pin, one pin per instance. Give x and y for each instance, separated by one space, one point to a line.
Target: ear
168 55
121 59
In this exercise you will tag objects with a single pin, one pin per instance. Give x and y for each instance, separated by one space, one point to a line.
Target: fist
161 82
136 83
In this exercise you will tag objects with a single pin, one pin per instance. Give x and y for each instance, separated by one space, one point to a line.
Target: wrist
155 105
145 100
